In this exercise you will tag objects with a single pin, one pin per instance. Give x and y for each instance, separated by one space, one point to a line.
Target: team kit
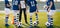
21 5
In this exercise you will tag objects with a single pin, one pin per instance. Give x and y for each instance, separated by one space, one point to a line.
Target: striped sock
49 18
6 20
37 18
15 21
51 21
30 22
17 17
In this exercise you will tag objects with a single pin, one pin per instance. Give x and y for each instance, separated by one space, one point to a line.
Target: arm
26 4
8 5
19 6
37 7
50 6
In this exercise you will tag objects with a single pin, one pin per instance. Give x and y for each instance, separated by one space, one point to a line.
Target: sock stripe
51 20
31 21
6 19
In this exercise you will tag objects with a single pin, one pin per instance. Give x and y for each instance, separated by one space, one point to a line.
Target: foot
20 23
26 22
48 26
51 26
20 27
6 24
31 27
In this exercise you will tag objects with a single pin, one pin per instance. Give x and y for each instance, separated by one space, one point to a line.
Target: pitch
42 19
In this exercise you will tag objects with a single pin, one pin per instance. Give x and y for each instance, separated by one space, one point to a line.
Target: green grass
42 19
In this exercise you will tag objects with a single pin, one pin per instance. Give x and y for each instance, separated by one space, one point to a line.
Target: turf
42 19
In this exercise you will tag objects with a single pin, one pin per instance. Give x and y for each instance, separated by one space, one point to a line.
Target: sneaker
51 26
31 27
6 24
20 27
26 22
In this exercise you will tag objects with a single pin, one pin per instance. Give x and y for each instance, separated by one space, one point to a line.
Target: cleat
6 24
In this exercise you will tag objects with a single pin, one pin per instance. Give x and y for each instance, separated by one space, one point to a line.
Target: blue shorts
32 10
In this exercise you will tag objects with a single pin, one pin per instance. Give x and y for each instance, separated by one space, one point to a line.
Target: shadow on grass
29 26
54 26
7 26
25 24
37 27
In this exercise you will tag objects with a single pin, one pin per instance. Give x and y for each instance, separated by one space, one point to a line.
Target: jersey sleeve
6 2
35 2
28 2
18 2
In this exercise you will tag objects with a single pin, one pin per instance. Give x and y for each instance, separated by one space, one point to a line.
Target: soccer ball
35 23
19 24
45 6
47 24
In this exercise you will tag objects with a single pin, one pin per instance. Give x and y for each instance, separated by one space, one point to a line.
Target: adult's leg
20 15
25 16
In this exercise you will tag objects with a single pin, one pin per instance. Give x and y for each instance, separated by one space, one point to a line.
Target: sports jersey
32 5
48 4
23 4
7 2
15 4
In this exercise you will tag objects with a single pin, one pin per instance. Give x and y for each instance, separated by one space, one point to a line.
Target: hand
8 5
37 11
49 10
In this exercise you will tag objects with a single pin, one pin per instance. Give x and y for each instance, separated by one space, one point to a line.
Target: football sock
30 22
6 19
37 18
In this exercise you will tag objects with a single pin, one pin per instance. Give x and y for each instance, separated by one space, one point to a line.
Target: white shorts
7 11
31 13
15 12
51 12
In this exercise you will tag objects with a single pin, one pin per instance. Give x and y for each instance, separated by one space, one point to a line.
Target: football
35 23
45 6
47 24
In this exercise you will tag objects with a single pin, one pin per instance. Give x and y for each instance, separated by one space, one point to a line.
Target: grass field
42 19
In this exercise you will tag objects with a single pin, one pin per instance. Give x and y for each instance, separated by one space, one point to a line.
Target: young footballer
33 8
15 7
50 10
7 12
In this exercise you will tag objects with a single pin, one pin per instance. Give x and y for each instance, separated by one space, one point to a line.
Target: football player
15 8
33 8
7 12
50 11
